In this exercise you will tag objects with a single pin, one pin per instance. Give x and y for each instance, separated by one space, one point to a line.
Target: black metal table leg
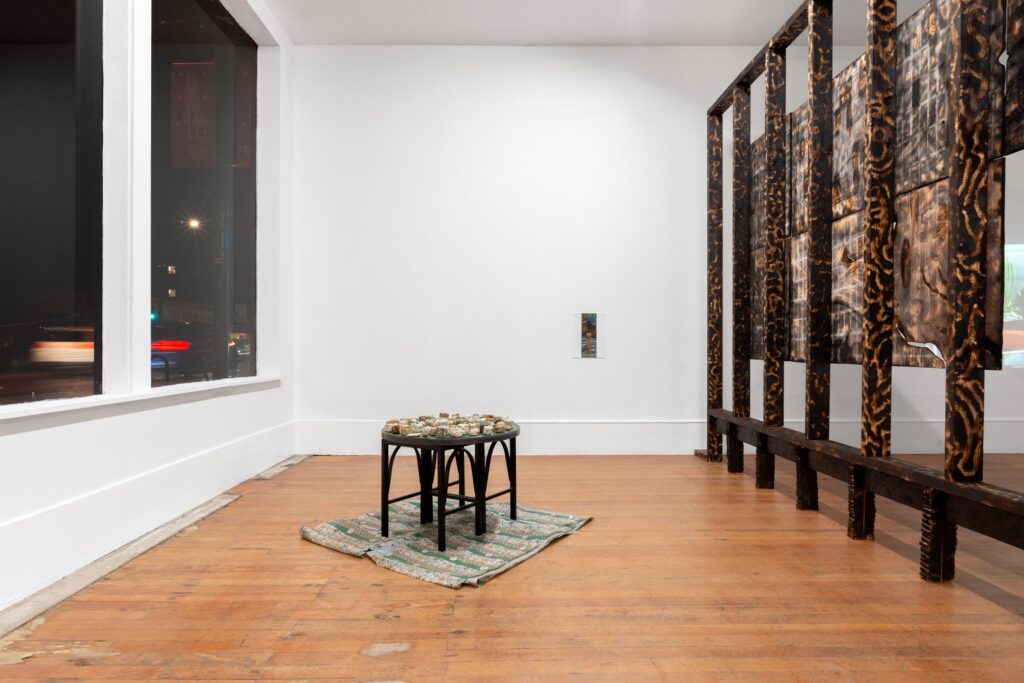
460 463
430 456
385 486
480 489
426 471
442 490
512 479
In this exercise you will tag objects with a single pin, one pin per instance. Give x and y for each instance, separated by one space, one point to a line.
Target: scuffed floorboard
685 573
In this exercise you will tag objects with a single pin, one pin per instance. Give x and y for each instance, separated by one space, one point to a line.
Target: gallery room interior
512 340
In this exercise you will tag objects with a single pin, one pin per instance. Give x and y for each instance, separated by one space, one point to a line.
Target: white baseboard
640 437
54 542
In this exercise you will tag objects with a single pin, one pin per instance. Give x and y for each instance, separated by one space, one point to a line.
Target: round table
431 459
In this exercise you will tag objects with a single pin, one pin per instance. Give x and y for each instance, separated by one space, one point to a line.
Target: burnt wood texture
849 123
969 26
922 96
848 244
713 451
923 261
757 266
875 233
799 137
819 205
1013 123
818 241
997 78
877 298
924 128
757 202
776 201
741 169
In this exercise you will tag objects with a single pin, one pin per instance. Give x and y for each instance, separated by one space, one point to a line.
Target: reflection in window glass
203 313
1013 264
1013 307
50 194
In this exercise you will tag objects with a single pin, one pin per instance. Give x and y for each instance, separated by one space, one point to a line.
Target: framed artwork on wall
590 339
588 335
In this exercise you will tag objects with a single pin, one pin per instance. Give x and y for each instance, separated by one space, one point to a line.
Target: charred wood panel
819 204
877 277
878 285
848 289
775 229
799 134
741 253
995 282
740 269
923 97
757 198
997 82
968 180
714 284
758 204
923 270
1013 131
849 119
922 274
757 303
797 249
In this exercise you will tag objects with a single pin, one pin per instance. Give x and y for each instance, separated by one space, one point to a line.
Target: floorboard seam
38 603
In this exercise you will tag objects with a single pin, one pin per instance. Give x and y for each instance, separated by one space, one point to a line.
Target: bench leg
806 485
764 466
938 539
860 523
734 455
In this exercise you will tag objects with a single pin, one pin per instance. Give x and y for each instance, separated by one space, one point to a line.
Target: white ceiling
553 22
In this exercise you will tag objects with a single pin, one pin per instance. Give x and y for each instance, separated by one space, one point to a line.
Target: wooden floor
686 573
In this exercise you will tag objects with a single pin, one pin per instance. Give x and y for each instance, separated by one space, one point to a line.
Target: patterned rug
412 548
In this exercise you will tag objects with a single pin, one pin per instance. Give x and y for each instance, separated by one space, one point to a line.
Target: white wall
84 476
458 205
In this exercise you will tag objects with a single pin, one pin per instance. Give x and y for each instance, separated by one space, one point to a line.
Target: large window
204 194
50 207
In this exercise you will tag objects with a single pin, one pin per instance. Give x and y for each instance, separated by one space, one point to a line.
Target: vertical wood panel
776 199
741 186
880 192
714 248
819 259
819 204
965 368
775 233
1013 131
997 82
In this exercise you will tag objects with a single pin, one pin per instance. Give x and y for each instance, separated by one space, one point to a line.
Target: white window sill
193 391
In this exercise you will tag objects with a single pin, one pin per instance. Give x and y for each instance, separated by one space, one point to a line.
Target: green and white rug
412 547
